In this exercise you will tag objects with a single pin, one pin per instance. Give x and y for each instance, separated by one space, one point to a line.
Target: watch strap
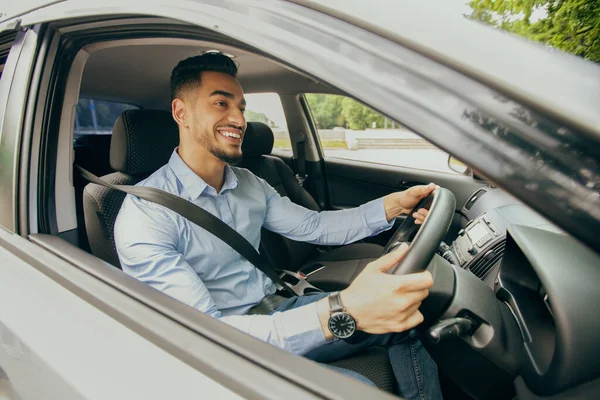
335 303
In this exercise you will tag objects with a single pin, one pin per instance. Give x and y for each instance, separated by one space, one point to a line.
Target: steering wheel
424 241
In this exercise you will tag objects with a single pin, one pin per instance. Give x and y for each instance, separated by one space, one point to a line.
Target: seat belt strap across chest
200 217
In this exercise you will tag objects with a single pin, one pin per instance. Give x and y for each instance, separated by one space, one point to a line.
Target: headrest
143 141
258 140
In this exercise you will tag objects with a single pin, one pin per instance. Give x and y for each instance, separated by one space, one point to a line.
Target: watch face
342 325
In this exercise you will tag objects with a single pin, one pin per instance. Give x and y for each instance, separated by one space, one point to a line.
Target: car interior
134 70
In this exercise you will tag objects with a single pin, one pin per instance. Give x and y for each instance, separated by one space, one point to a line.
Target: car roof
554 82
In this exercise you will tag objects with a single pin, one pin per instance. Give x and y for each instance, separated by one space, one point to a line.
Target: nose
236 116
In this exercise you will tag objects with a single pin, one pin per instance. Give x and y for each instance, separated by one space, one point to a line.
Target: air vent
482 266
476 196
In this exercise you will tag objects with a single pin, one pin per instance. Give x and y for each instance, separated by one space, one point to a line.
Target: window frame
14 86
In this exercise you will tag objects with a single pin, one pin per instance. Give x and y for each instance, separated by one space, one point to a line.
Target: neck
204 164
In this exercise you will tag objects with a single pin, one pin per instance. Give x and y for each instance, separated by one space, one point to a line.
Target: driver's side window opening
350 130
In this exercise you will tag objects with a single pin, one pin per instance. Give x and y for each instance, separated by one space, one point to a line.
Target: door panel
352 183
72 349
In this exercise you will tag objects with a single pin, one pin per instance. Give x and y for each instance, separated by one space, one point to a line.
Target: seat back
92 153
142 142
256 149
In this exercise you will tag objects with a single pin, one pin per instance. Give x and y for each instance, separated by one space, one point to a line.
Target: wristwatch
340 324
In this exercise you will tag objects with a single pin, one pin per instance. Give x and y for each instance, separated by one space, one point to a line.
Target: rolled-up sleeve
325 227
146 238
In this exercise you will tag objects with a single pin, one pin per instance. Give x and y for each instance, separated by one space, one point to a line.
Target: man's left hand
403 202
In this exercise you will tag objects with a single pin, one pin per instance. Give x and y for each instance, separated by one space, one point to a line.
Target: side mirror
457 166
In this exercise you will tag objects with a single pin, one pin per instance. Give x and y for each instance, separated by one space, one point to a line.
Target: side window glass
94 121
347 129
97 117
267 108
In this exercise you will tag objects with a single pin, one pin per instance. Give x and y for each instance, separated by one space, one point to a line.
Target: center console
479 245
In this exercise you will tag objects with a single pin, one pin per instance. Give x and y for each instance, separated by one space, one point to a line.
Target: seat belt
203 219
301 159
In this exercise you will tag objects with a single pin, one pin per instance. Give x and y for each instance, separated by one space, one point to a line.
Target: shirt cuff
374 216
301 328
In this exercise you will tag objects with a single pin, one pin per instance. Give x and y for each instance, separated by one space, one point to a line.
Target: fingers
406 316
420 215
424 190
412 321
384 263
412 282
408 319
412 299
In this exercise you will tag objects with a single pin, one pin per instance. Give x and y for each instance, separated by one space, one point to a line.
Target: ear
179 112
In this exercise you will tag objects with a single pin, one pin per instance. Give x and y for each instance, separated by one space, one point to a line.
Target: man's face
217 120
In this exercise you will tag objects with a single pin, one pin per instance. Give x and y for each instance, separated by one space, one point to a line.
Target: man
161 248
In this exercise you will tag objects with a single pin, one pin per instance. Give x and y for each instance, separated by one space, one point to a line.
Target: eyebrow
226 94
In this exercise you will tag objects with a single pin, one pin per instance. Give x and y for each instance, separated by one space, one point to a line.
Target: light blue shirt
171 254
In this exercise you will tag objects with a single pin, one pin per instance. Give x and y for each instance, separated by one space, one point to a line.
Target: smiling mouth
231 133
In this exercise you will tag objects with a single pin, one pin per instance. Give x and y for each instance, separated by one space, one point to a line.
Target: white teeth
231 134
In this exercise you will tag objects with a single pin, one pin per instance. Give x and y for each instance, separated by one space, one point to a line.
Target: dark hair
188 72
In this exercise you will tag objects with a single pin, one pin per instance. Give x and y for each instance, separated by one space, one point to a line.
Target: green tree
570 25
330 110
359 116
326 110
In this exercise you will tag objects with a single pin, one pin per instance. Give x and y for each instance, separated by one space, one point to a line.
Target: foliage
359 116
326 110
570 25
330 111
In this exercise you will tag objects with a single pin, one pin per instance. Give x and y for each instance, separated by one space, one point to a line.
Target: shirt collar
192 183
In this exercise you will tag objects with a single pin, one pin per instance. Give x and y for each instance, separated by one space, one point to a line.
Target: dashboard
486 216
537 332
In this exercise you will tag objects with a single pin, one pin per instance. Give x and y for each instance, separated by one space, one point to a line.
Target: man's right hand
382 303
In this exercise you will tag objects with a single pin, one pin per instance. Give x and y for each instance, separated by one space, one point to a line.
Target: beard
230 158
223 156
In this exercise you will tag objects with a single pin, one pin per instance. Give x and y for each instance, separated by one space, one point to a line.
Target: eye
221 104
243 110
